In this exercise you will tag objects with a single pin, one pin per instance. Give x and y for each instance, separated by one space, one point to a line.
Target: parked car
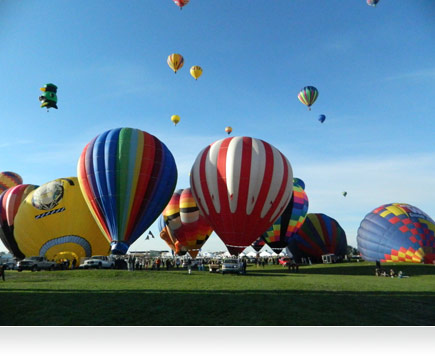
214 267
99 262
284 261
231 265
35 263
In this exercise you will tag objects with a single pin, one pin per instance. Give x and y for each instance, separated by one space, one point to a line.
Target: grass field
339 294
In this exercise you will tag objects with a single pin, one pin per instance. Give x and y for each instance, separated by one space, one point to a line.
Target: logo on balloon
47 196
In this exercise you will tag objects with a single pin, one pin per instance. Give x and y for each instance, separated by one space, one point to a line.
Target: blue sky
374 69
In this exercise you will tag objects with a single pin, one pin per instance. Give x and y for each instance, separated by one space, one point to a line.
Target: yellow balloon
175 119
175 61
54 221
196 72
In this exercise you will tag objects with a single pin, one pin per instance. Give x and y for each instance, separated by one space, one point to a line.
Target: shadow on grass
221 308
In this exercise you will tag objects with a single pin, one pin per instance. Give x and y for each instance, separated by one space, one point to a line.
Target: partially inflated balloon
319 235
185 221
10 201
278 235
175 61
9 180
196 72
54 221
397 233
308 96
127 177
241 185
175 119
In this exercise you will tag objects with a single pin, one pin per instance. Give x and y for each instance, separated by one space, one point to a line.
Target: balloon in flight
175 119
308 95
237 181
372 2
228 129
127 177
48 98
322 118
175 61
397 232
181 3
196 72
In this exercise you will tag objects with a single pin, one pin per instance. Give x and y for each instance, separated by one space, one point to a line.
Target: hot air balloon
164 234
9 180
322 118
49 98
372 2
175 119
308 96
278 235
54 221
258 244
127 177
397 232
228 129
10 201
241 185
175 61
186 223
344 194
196 72
181 3
319 235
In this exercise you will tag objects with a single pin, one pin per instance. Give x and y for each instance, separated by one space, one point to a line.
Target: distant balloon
278 235
10 201
185 222
49 98
237 181
127 177
397 233
372 2
228 129
181 3
308 96
175 119
322 118
196 72
344 194
54 221
9 180
175 61
319 235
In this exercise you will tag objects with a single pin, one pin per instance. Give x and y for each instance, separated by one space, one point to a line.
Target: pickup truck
99 262
35 263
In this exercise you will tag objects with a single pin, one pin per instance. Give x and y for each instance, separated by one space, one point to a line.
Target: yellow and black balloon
54 221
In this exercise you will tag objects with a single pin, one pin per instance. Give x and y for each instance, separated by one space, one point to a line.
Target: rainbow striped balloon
9 180
127 177
308 95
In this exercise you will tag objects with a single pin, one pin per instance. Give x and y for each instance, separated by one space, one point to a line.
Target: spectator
2 271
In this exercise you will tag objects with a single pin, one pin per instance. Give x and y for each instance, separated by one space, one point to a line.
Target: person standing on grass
2 271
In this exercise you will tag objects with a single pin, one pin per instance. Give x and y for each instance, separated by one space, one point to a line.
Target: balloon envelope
319 235
175 119
175 61
54 221
10 201
397 233
308 95
278 235
372 2
196 72
322 118
181 3
228 129
241 185
9 180
127 177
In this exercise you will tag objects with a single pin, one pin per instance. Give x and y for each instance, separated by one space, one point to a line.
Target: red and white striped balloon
242 185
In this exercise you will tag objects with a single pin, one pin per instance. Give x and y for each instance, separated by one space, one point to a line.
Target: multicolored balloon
196 72
186 223
49 98
397 233
127 177
54 221
228 129
372 2
319 235
237 181
175 61
258 244
308 95
278 235
181 3
9 180
175 119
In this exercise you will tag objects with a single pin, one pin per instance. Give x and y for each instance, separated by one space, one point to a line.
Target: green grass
339 294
